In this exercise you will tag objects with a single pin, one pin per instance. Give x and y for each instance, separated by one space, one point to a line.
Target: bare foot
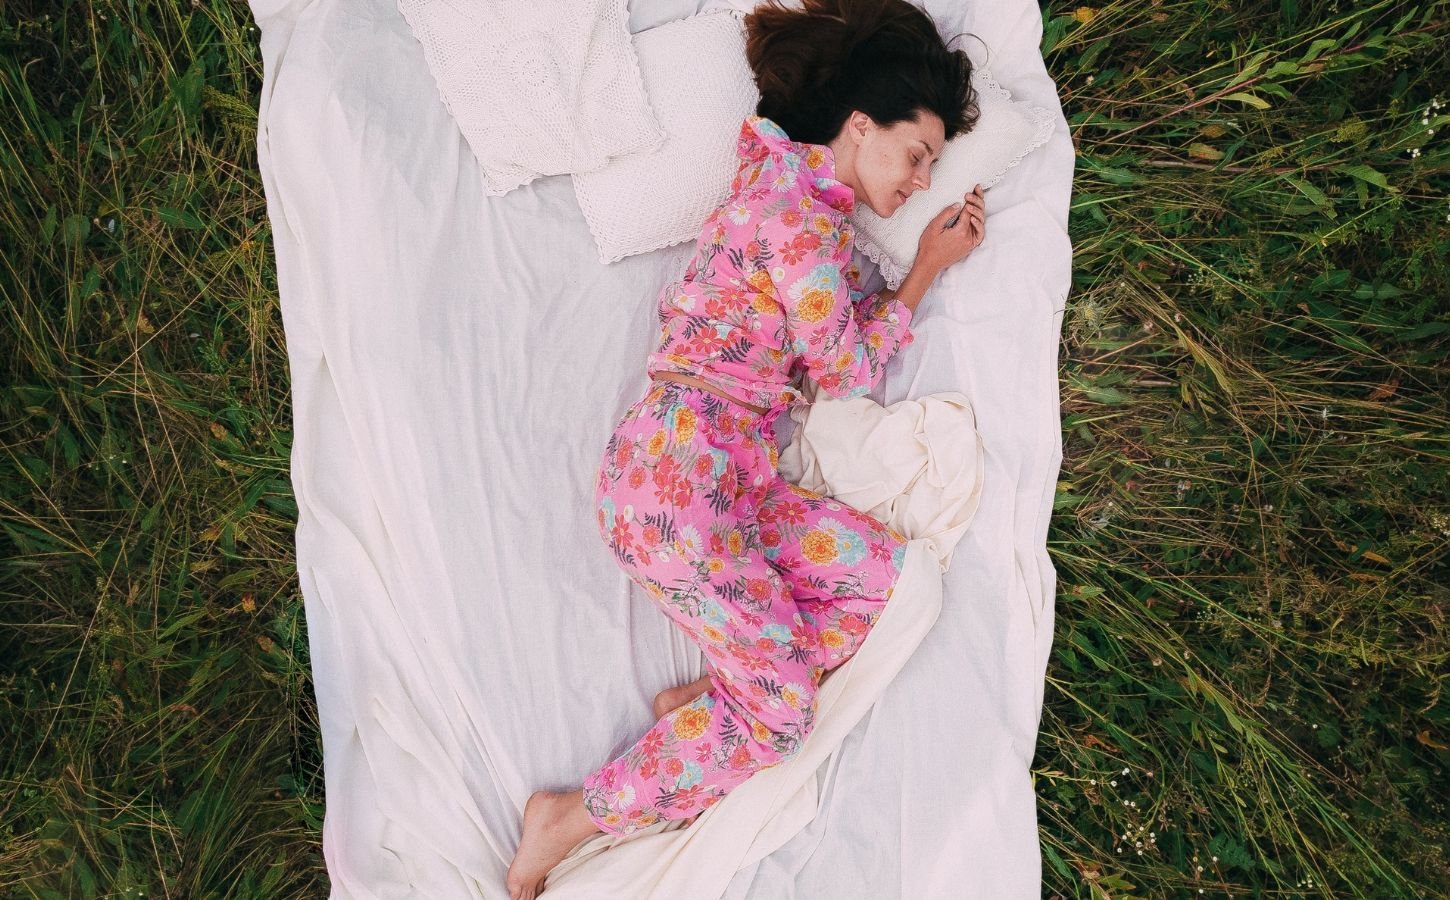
673 698
554 823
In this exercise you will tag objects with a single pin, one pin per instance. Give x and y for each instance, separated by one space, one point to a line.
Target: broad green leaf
1253 100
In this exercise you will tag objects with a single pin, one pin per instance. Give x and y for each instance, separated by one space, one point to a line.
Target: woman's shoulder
788 210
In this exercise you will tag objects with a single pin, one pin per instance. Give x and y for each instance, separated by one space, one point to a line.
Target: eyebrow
935 156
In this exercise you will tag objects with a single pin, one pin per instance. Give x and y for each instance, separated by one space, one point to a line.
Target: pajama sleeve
845 345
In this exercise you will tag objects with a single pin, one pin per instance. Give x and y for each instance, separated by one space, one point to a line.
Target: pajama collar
784 162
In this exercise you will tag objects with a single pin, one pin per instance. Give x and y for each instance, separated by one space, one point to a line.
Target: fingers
972 221
948 241
974 202
976 205
971 227
975 218
946 213
971 214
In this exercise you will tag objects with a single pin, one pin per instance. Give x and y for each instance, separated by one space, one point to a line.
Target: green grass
1251 523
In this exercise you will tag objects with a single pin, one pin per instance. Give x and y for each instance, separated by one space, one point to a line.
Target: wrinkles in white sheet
378 727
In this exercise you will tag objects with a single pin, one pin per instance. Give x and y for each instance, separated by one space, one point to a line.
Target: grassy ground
1245 697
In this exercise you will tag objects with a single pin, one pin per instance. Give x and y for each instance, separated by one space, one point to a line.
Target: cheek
888 174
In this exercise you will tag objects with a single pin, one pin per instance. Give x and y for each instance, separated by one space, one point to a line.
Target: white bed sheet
457 362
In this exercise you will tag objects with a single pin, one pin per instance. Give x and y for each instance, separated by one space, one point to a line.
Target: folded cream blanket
918 466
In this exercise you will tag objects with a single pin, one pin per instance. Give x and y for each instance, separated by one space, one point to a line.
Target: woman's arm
844 344
939 241
913 286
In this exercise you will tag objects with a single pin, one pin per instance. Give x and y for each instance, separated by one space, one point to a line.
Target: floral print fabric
776 584
772 289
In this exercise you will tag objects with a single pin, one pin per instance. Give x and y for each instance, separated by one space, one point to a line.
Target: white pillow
701 89
536 88
1006 131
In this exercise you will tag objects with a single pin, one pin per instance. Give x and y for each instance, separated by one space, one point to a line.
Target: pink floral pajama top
772 289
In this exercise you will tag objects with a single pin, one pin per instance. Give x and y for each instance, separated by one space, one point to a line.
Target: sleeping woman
775 583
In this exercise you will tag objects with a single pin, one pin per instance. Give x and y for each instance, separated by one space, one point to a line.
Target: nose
922 182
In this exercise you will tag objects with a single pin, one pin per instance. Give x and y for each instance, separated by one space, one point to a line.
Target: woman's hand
940 245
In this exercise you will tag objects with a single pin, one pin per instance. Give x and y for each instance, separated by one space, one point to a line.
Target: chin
890 210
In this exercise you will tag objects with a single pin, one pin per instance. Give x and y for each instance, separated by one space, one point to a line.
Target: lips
902 196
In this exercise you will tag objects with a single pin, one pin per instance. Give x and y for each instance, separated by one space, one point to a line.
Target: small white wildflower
1125 770
1114 782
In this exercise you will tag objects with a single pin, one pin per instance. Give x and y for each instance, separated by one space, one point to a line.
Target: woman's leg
839 563
669 509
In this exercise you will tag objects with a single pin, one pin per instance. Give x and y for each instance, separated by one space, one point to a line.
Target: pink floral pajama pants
776 583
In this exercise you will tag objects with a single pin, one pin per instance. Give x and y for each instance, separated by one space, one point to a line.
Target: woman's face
891 162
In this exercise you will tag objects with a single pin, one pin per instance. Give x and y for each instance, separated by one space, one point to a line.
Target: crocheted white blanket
545 87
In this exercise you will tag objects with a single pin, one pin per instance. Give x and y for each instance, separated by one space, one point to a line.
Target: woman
776 584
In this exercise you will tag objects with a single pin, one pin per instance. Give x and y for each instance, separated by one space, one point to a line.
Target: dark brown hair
815 64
